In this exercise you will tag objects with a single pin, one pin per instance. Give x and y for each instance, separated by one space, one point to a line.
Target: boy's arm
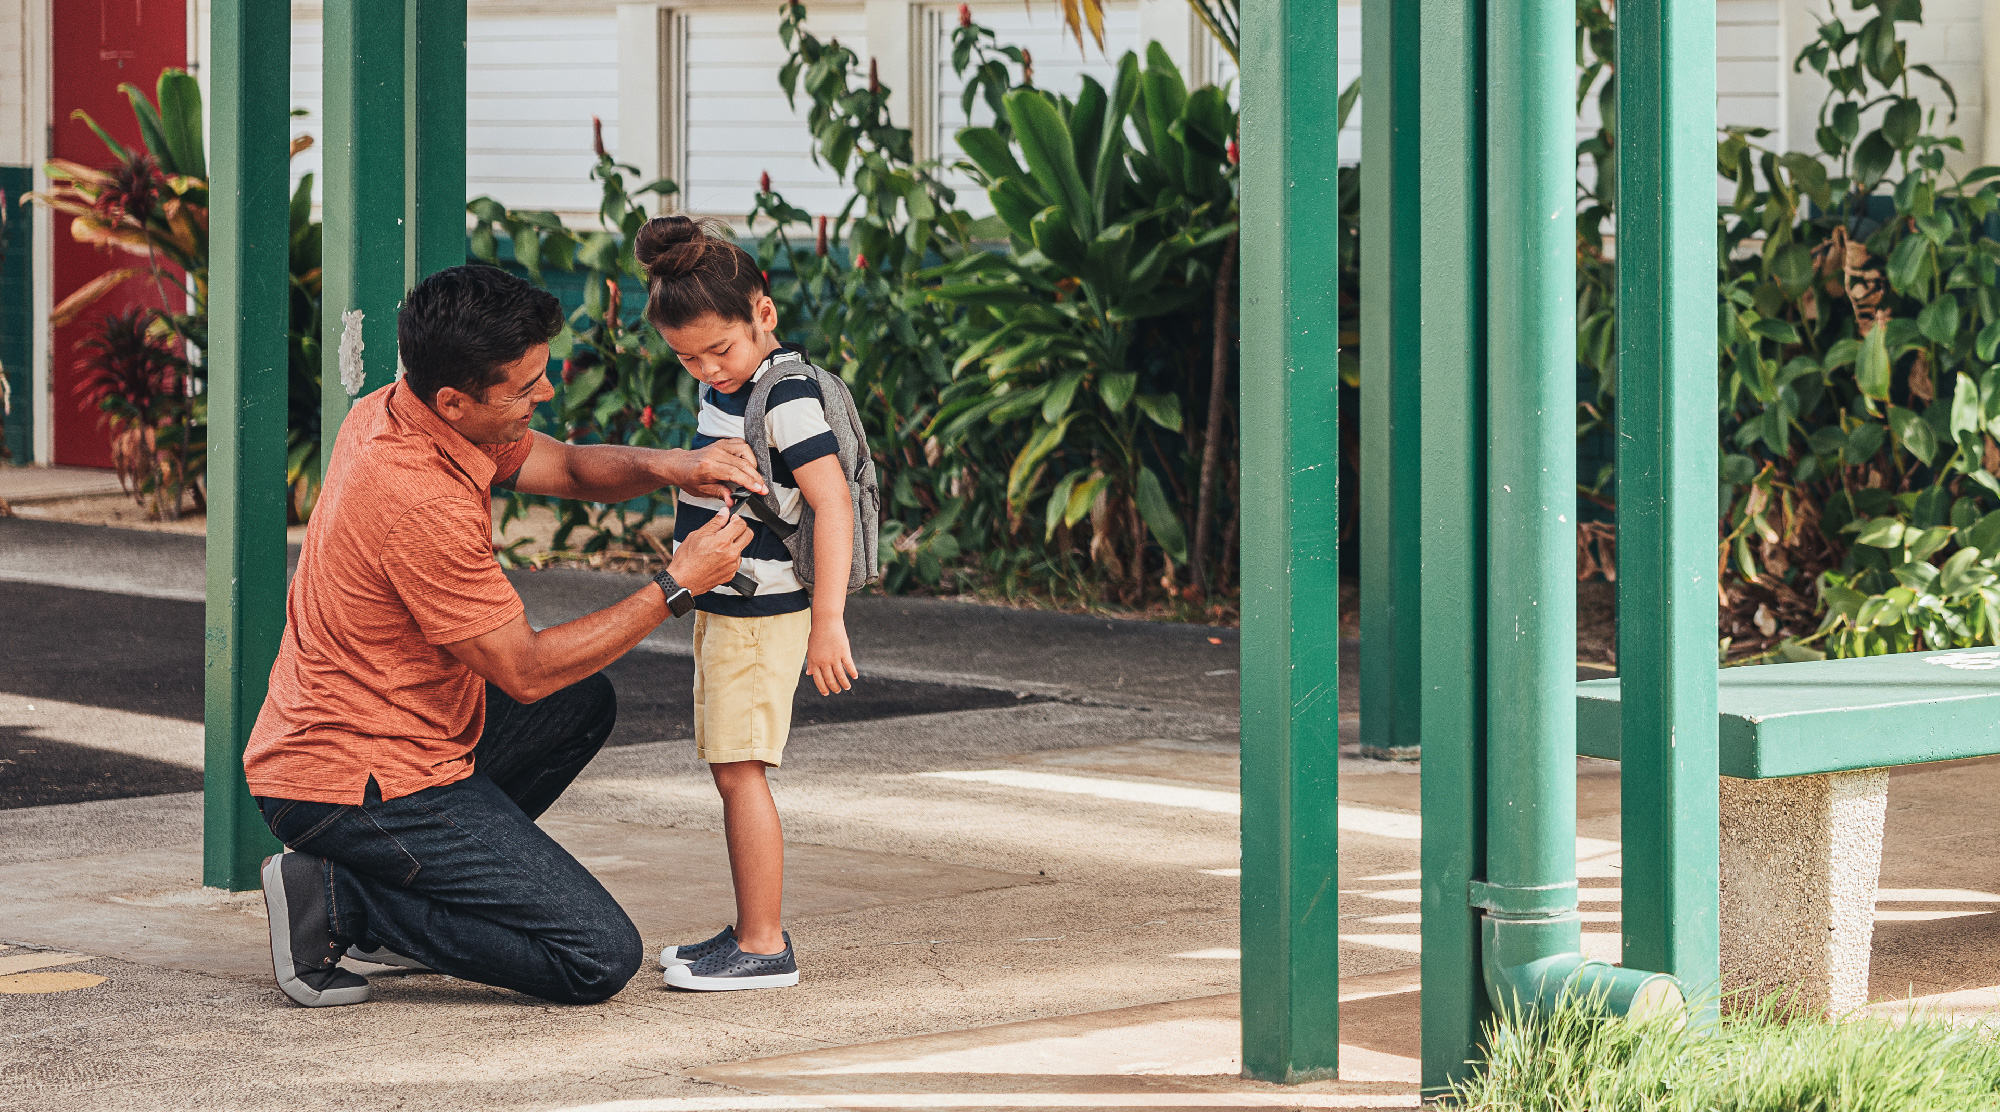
829 659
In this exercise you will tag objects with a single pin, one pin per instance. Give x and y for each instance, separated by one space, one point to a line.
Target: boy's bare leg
756 854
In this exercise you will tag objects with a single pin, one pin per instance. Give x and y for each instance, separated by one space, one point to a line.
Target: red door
99 44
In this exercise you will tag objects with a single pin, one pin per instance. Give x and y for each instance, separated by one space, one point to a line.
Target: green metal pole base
1535 964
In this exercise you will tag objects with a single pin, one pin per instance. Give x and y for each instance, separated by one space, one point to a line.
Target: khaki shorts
746 671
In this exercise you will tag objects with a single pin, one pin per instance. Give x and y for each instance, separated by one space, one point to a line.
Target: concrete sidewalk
1029 905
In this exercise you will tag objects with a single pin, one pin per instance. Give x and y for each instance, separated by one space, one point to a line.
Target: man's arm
529 665
829 658
614 473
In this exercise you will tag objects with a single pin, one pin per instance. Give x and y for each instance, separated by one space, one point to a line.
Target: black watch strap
680 600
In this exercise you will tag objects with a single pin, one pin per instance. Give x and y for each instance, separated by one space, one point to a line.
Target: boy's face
726 353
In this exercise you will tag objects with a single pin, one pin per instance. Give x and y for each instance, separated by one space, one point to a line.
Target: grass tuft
1759 1060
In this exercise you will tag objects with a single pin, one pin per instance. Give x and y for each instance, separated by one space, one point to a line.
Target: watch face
681 602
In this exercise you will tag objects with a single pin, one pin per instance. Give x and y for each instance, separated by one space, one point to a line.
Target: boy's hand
829 660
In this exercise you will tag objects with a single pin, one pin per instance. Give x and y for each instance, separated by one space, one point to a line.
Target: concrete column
642 85
1800 860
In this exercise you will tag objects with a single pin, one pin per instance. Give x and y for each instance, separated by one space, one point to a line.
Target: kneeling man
416 724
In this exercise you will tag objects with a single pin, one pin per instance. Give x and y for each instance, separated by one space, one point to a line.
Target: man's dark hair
462 324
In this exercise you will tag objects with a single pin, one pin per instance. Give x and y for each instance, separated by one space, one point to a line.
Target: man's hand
712 471
829 659
711 554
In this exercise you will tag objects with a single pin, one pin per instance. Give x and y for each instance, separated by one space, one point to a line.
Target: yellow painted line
31 983
37 959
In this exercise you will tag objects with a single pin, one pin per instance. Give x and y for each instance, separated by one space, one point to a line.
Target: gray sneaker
305 953
689 954
729 969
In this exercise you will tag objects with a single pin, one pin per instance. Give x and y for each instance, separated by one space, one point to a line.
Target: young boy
711 304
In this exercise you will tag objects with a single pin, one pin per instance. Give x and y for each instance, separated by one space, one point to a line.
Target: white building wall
733 120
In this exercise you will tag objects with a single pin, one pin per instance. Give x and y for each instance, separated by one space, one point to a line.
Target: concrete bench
1805 753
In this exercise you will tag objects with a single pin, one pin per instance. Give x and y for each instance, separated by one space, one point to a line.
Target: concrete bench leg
1800 858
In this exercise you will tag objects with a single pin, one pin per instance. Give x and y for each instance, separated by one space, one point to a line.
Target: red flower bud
569 371
764 182
646 417
1235 153
964 15
767 276
597 137
819 248
861 262
874 80
1027 66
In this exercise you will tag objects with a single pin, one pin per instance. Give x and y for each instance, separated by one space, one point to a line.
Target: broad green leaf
1058 502
1872 159
1901 121
1939 320
1871 370
1793 268
1780 331
1927 544
1060 395
1910 265
1045 143
1116 389
1055 236
1164 409
1985 536
1160 518
1988 341
1965 414
1952 577
1915 433
1882 532
1083 497
991 152
180 121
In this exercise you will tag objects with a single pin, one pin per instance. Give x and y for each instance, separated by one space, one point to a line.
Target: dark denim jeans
460 878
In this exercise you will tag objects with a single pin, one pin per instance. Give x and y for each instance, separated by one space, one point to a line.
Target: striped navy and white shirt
795 421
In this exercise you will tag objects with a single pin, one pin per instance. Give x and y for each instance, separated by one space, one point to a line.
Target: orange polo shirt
398 562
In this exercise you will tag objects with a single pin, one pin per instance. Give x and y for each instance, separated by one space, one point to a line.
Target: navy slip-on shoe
693 952
305 953
729 969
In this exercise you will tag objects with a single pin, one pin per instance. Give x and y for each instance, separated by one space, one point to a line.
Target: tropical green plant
1109 232
620 384
152 203
1859 322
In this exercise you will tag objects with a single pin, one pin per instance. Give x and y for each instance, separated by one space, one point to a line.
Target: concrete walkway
1025 905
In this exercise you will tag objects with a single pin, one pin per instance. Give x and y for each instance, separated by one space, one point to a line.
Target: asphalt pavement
113 619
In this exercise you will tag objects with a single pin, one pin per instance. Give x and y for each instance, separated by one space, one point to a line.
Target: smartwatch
680 600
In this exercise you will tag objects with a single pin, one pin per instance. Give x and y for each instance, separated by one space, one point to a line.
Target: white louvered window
533 84
730 121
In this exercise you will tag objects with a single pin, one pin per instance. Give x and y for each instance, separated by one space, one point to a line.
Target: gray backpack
855 463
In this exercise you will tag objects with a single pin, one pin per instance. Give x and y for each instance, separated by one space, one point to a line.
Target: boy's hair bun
695 269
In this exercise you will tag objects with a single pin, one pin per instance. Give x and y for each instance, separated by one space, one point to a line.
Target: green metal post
366 205
434 151
1423 444
249 310
1667 486
1531 477
1291 561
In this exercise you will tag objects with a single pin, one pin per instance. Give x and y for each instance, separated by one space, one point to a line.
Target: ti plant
152 204
1118 208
